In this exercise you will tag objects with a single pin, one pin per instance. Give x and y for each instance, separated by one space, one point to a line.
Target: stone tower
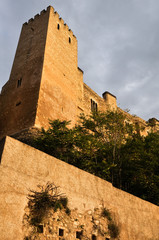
45 81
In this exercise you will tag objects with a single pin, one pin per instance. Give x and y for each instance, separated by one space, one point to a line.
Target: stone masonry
45 81
23 168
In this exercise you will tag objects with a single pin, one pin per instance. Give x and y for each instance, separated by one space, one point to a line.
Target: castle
45 80
46 83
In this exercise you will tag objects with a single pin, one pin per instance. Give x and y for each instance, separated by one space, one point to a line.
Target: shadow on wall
2 142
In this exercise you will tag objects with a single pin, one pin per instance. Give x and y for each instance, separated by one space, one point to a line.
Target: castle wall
23 167
45 81
61 88
89 95
13 191
19 96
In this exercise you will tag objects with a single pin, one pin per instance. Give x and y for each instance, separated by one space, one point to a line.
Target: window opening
94 106
19 83
61 232
40 228
79 234
69 40
58 26
94 237
17 104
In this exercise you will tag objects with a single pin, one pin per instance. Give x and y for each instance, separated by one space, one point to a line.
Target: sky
118 45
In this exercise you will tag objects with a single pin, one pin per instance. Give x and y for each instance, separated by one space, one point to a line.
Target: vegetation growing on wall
47 217
112 226
42 201
108 146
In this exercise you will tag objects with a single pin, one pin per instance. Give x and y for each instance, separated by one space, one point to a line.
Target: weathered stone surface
45 81
69 225
23 167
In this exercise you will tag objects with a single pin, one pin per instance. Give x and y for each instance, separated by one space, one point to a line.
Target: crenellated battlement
45 64
57 17
45 70
30 20
43 11
37 15
62 23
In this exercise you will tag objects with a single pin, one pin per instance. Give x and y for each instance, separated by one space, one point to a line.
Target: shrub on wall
47 214
42 201
112 226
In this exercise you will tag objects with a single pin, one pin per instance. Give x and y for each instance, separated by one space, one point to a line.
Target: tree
109 131
108 146
93 145
141 167
57 140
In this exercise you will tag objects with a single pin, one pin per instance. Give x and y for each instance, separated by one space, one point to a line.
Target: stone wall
45 81
61 89
91 224
23 167
19 96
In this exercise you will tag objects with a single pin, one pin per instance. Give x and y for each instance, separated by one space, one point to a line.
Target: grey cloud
118 45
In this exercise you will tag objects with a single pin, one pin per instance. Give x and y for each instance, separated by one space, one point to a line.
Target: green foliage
108 146
106 213
42 201
57 140
107 132
68 211
141 167
113 229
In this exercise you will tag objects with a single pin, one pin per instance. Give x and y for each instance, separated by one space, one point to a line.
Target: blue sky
118 44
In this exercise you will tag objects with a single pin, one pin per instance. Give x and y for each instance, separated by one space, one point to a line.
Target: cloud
117 40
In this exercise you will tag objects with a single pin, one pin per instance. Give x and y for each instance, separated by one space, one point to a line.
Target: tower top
44 11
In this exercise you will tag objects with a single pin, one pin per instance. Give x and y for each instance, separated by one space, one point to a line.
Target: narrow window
61 232
19 83
94 237
79 234
17 104
69 40
40 228
94 106
58 26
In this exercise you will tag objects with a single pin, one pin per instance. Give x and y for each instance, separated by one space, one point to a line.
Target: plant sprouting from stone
112 226
113 230
41 202
106 213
